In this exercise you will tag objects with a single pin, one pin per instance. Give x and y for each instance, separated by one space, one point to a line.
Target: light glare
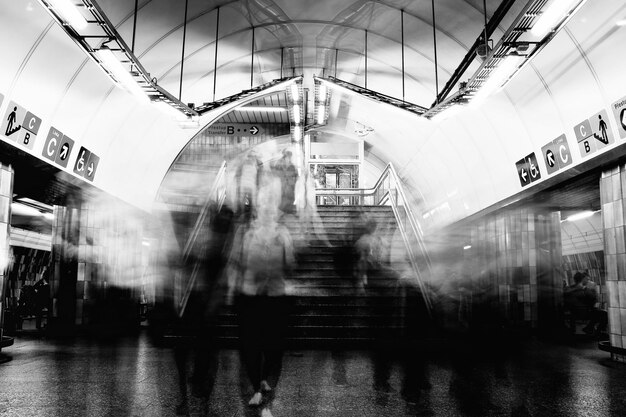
69 12
550 17
498 77
115 67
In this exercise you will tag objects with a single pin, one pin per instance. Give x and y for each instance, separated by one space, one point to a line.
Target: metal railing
388 190
215 199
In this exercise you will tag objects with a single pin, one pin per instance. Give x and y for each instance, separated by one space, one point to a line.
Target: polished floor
131 377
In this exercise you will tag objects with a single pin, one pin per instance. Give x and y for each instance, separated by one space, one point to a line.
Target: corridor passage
132 377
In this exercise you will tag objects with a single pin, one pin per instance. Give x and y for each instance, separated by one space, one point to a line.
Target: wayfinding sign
57 147
20 125
234 129
593 134
619 111
528 170
86 163
556 154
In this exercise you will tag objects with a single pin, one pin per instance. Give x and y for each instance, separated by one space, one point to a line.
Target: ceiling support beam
217 37
402 46
182 58
252 60
132 47
366 59
495 20
435 49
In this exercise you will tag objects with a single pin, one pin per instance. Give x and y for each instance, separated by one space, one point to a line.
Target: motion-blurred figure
368 252
581 300
264 256
286 171
247 178
198 320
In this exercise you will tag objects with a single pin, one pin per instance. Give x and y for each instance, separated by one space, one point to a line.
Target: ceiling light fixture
498 77
296 114
297 133
552 16
69 12
295 92
115 68
321 114
582 215
321 91
165 107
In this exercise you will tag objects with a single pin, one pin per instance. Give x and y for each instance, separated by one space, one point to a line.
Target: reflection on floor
133 378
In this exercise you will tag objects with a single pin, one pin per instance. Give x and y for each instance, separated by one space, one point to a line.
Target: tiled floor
133 378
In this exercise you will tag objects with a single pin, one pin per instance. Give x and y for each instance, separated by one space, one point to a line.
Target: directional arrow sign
92 165
522 172
254 130
65 149
550 158
556 154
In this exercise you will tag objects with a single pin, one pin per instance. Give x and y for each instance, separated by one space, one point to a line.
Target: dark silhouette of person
11 120
42 300
199 317
602 126
286 171
265 258
580 299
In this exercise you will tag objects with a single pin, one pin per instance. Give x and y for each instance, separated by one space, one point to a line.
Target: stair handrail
216 195
382 193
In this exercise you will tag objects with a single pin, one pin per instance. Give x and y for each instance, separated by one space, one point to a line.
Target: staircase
330 307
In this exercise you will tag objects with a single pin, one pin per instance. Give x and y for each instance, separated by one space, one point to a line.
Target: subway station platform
131 377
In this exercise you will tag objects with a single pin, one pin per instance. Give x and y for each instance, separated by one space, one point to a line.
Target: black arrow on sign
63 153
523 175
254 130
550 158
90 169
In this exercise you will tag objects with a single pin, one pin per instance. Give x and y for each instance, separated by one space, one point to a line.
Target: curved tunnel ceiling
455 168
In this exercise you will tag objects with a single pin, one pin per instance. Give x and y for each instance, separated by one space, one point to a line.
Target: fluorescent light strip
69 12
581 215
448 112
552 16
111 63
505 69
296 114
164 107
268 109
321 114
295 92
297 133
322 92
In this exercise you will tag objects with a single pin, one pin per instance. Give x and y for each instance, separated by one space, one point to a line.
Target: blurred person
310 220
42 299
581 299
368 249
264 258
287 172
247 178
197 324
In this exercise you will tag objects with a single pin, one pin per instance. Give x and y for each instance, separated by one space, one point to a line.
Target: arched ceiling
454 167
326 36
